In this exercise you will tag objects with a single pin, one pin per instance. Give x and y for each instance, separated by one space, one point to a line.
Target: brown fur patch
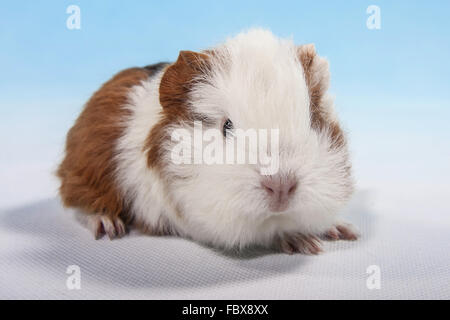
87 171
317 79
173 95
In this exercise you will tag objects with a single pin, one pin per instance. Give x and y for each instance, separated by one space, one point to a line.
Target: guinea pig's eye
227 125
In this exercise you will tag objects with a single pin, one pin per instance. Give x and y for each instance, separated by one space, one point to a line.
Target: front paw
342 231
298 243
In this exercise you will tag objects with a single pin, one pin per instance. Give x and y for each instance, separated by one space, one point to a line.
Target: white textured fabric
39 242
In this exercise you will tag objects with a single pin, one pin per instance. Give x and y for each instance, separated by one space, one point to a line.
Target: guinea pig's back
88 172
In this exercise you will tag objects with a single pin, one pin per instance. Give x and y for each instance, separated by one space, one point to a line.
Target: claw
298 243
343 231
332 234
102 224
347 232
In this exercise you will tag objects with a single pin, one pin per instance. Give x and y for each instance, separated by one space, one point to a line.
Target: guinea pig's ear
177 79
316 72
194 60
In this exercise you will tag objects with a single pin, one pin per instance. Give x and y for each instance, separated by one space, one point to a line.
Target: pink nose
279 189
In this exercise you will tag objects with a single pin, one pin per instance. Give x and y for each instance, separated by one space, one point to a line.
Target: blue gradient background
391 85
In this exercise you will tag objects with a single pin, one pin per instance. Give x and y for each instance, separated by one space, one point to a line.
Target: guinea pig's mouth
269 215
276 209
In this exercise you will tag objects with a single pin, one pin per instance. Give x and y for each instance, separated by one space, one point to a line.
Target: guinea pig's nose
279 189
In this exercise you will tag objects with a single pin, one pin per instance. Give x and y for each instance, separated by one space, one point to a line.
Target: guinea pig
120 169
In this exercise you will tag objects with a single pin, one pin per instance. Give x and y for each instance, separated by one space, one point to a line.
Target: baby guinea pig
120 167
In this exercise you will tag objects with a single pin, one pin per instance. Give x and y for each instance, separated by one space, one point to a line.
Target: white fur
141 186
257 82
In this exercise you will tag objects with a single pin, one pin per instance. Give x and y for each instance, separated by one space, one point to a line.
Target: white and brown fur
117 168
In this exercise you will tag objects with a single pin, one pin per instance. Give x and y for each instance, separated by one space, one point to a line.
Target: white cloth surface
38 243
